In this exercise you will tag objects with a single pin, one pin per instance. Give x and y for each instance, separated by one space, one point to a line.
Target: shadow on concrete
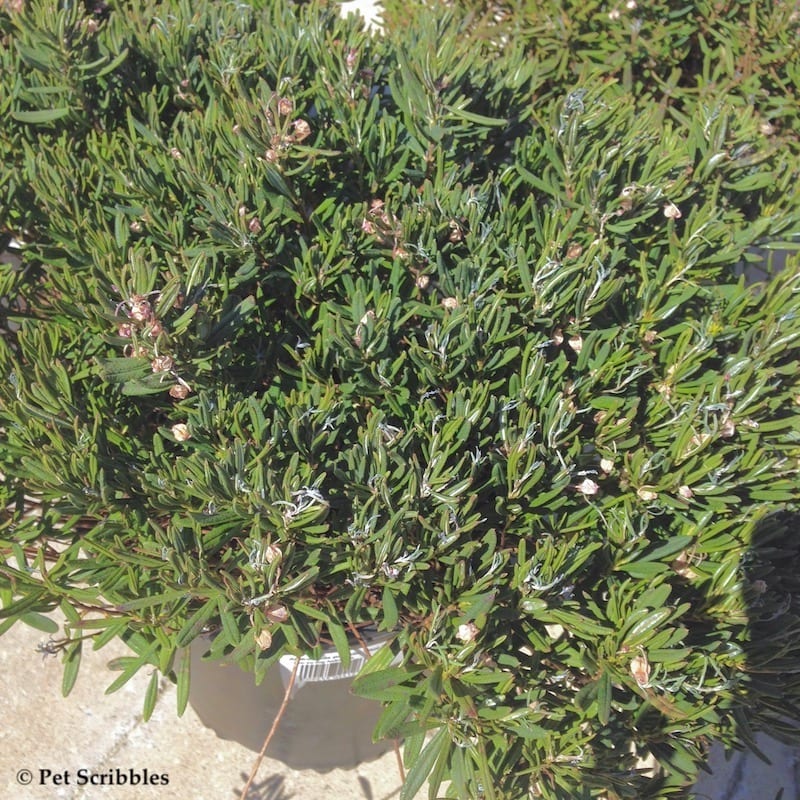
771 588
271 788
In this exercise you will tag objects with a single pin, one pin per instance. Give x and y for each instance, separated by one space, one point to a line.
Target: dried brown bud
682 565
162 363
450 303
606 464
422 281
587 487
140 351
179 391
728 429
135 226
640 669
273 553
646 493
155 329
467 632
264 639
141 310
555 631
181 432
271 156
175 153
125 330
302 130
671 211
685 492
576 343
277 613
351 58
574 250
285 106
254 226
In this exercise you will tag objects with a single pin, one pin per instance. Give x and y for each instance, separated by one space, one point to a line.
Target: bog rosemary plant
442 332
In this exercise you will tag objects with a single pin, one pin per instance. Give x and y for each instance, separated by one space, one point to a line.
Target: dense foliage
442 332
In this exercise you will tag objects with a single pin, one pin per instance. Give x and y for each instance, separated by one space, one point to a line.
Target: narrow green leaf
40 622
484 771
390 612
113 64
524 270
43 115
423 764
129 666
310 611
301 581
393 716
412 748
604 697
69 612
477 119
340 641
383 685
195 624
379 660
640 632
72 663
153 601
150 696
183 678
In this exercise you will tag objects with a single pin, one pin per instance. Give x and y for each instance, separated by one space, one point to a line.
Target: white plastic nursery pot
324 726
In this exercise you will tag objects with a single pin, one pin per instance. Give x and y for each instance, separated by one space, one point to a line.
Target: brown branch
278 716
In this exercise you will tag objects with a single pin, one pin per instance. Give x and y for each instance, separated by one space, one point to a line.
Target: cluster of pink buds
385 227
285 130
144 329
253 224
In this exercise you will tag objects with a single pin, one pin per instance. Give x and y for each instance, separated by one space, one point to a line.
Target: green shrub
316 330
